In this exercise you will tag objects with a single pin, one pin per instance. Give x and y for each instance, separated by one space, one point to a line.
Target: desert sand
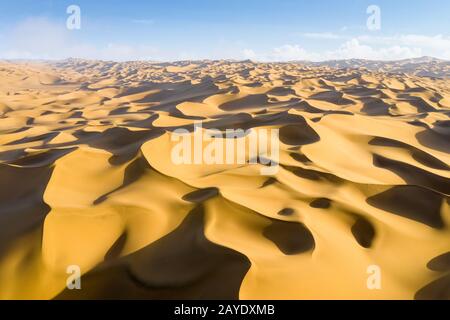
86 179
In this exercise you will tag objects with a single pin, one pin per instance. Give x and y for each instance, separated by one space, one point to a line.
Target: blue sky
266 30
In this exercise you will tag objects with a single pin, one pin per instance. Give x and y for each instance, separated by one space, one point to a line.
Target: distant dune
424 66
86 179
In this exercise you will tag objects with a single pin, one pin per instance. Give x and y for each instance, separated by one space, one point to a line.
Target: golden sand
86 179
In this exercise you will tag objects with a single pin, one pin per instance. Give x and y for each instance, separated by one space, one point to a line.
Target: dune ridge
86 179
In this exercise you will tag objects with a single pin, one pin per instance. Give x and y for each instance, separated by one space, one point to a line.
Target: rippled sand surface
86 178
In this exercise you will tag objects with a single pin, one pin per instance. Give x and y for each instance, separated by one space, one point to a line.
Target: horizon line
225 59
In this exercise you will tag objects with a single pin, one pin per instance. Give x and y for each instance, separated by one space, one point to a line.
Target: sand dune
86 179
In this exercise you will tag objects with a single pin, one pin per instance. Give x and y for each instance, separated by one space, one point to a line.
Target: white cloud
371 47
249 54
437 41
286 52
364 47
289 52
36 37
120 52
322 35
40 38
436 45
348 50
354 49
